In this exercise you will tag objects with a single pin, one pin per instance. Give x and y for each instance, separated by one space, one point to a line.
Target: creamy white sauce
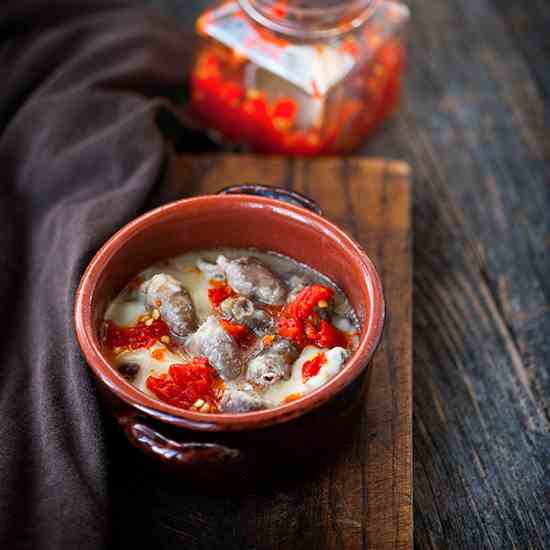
125 313
129 306
149 365
335 359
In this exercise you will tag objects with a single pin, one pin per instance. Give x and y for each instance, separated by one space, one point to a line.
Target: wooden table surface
474 127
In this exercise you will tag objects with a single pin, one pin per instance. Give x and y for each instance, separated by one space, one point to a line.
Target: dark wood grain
364 497
474 127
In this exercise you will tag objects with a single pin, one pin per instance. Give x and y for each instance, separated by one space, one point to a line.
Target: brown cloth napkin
83 85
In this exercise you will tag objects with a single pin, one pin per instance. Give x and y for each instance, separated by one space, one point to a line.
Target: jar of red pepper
298 77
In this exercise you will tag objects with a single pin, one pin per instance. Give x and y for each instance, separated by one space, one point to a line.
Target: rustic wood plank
364 497
380 210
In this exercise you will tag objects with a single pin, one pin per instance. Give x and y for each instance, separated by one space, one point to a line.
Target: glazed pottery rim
88 338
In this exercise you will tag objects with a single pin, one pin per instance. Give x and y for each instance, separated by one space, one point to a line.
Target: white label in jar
314 68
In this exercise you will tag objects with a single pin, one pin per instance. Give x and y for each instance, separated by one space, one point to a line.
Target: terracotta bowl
205 443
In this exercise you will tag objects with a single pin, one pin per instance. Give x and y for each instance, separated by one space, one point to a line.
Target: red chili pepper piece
218 294
302 306
310 331
290 328
285 108
140 336
184 384
313 366
328 336
300 323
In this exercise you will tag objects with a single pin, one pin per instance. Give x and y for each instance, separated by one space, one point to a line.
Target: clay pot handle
187 454
277 193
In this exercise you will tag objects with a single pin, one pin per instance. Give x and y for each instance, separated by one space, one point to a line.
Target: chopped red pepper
139 336
185 384
290 328
285 108
221 101
219 293
313 366
310 329
302 306
300 323
328 336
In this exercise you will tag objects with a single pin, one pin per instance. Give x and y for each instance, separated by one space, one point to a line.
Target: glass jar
298 77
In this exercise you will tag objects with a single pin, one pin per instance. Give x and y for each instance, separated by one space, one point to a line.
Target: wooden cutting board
364 500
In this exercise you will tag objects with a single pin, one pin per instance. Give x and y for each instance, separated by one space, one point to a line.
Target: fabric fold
83 88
